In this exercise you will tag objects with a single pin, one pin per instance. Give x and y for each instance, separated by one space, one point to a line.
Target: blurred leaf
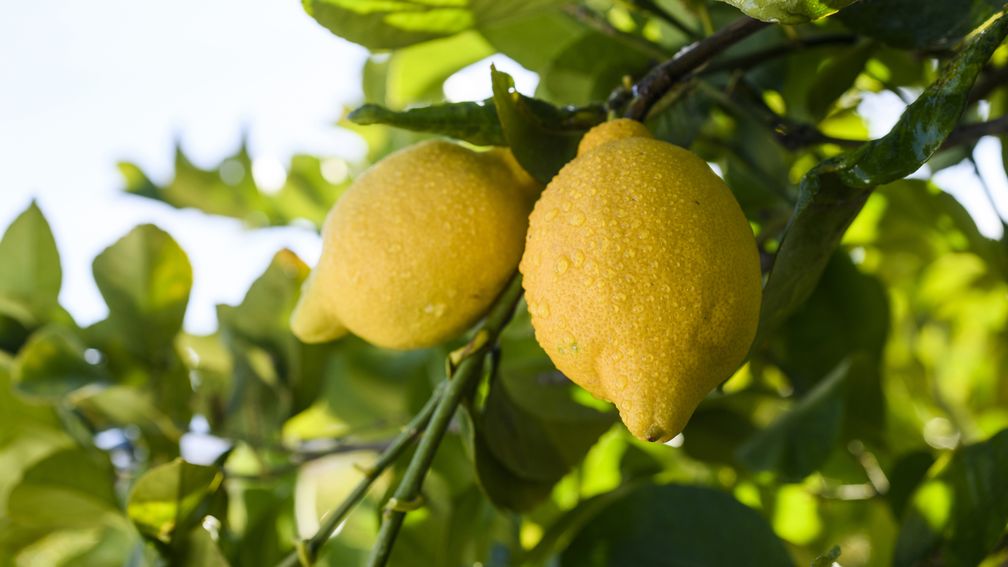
836 77
590 67
145 278
911 24
474 122
800 441
847 314
52 365
904 478
198 548
957 517
30 274
170 499
417 73
788 11
827 559
230 189
534 40
69 489
680 121
833 192
657 522
542 137
378 24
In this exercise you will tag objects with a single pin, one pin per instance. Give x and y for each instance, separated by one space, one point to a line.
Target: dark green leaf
835 77
904 478
52 365
833 192
675 525
145 278
171 499
590 67
378 24
474 122
958 516
801 440
848 313
935 24
198 548
542 137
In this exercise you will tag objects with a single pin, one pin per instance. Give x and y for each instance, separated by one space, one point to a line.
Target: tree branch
664 76
756 58
308 550
968 133
464 377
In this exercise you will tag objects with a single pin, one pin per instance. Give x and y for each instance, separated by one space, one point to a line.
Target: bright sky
86 84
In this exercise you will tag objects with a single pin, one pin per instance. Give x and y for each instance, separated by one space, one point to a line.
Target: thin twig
308 550
464 377
969 133
664 76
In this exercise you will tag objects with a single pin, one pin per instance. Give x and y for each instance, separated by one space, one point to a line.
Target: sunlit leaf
171 499
833 192
788 11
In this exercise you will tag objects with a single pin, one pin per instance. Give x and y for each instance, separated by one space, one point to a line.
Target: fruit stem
461 381
666 75
308 550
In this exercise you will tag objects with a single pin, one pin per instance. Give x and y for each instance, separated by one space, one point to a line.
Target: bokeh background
86 85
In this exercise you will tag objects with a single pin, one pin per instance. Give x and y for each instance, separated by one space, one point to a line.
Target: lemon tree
677 306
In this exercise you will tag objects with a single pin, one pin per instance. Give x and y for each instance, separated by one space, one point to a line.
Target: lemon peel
642 277
418 247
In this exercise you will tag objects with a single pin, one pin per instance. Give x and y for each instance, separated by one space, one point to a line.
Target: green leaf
145 278
474 122
542 137
836 77
390 24
52 365
958 516
788 11
417 73
904 478
198 548
590 67
827 559
171 499
911 24
70 489
847 314
229 189
834 191
30 275
801 440
655 523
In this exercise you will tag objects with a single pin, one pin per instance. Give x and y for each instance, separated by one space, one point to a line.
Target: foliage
868 426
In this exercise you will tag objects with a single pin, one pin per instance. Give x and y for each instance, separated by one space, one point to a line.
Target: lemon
642 277
418 247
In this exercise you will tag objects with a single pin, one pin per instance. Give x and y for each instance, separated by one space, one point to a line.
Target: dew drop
551 214
578 258
562 264
435 309
576 218
543 310
566 206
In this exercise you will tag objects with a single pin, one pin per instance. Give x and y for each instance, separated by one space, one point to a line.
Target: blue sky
86 84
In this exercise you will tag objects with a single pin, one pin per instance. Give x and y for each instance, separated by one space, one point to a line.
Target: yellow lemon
642 277
418 247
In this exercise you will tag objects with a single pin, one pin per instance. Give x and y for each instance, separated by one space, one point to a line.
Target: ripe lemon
642 277
418 247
